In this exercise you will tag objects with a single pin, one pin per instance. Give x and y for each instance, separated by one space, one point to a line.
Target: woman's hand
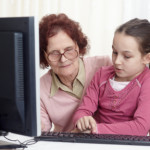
42 126
87 123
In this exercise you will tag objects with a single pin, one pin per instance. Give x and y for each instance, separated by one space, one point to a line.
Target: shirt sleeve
45 117
45 120
140 124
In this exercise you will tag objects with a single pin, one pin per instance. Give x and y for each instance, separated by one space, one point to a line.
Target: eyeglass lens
69 54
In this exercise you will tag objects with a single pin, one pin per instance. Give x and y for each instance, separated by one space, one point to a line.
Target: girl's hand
75 130
87 123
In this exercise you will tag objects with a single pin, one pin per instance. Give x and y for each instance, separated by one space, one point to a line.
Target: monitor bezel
29 27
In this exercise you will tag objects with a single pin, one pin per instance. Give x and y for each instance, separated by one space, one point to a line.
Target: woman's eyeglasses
56 55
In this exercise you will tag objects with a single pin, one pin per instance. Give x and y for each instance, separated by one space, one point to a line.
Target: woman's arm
45 120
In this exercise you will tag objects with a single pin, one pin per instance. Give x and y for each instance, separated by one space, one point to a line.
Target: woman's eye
55 53
69 49
115 53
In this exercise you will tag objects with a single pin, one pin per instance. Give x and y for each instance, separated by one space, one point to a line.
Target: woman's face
60 43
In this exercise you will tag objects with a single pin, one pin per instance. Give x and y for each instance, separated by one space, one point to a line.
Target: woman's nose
63 58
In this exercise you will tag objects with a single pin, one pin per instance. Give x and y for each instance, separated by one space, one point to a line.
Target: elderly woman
62 47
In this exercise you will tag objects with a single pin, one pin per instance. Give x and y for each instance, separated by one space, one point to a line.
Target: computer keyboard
94 138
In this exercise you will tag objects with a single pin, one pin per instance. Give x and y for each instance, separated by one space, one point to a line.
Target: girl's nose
118 60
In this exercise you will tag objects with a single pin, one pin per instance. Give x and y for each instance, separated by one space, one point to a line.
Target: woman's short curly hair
51 24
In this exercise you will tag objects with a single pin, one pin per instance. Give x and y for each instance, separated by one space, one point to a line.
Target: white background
98 18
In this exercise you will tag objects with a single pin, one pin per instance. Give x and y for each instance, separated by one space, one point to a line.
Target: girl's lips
118 70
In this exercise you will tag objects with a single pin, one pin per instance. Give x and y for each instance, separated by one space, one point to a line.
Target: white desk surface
71 146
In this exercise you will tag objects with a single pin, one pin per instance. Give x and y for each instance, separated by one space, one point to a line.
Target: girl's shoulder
104 73
144 75
107 70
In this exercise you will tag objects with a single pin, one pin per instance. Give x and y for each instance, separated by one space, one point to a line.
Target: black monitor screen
19 71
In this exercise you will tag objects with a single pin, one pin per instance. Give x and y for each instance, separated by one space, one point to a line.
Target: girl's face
127 59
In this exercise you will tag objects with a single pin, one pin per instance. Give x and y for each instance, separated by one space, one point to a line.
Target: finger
92 122
87 131
94 130
83 124
79 125
86 122
75 130
93 125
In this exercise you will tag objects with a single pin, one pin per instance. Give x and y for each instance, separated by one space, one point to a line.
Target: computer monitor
19 76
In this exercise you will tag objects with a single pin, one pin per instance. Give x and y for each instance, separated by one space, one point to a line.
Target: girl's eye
127 57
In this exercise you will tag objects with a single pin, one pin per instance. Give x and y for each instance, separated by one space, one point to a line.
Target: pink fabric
123 112
60 108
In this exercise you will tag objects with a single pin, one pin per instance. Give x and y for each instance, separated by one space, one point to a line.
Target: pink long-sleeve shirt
60 108
118 112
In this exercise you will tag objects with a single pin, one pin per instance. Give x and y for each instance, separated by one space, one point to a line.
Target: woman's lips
64 66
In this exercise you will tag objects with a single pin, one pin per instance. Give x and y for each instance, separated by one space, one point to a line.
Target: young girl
117 100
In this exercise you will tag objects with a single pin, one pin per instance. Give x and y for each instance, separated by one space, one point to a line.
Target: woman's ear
76 46
147 58
45 55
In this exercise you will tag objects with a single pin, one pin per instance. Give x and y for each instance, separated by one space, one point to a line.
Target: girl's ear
147 58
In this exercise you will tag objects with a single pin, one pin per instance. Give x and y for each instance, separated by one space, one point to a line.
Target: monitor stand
8 145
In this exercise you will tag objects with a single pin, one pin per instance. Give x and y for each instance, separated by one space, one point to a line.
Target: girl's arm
140 124
90 101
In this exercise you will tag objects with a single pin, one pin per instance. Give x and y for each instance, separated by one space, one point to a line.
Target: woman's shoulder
98 60
45 79
46 75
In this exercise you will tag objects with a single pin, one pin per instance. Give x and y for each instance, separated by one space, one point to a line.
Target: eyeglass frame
61 55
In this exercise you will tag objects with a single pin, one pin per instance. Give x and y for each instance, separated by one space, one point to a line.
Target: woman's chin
67 73
68 70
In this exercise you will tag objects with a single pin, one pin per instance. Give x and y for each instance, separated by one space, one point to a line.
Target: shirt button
113 107
114 102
